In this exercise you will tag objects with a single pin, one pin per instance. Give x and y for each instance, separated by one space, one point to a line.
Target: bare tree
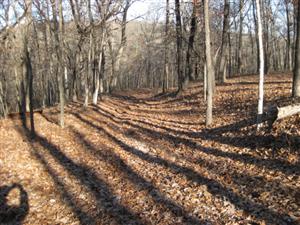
256 35
188 67
296 79
209 65
98 79
288 58
58 43
116 58
178 44
240 45
261 69
166 66
68 42
224 51
27 68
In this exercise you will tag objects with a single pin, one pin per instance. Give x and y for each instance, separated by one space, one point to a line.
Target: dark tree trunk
30 89
256 37
223 57
189 66
240 45
166 66
296 78
178 44
287 65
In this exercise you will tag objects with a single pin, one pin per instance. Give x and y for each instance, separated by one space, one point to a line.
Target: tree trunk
98 73
256 37
61 75
58 42
240 46
99 78
3 105
189 66
262 64
210 70
265 21
73 86
296 78
117 64
288 41
178 44
294 38
29 75
89 70
166 66
205 82
27 83
223 57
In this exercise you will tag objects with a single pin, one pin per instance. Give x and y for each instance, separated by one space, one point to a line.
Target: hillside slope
144 158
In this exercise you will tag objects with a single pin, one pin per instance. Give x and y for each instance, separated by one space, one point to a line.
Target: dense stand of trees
55 51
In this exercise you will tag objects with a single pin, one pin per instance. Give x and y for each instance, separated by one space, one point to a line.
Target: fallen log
278 113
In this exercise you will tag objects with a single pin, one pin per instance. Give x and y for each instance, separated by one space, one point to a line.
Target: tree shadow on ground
11 214
156 97
142 184
271 164
147 114
163 95
253 186
152 101
106 204
257 210
228 134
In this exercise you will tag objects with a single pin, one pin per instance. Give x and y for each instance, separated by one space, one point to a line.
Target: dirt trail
141 158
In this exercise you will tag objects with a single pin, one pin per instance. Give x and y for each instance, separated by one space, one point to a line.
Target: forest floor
143 158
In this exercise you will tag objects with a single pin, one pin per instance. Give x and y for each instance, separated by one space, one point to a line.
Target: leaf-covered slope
142 158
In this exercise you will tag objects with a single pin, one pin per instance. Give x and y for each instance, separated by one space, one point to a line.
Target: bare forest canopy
57 51
99 48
